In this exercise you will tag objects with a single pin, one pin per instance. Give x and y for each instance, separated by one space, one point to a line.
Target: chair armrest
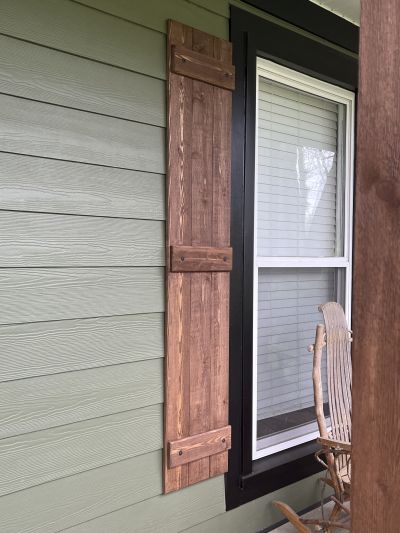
335 444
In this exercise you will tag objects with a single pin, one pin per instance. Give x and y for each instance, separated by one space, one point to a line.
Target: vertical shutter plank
200 355
197 317
177 374
219 363
203 43
202 163
220 237
200 360
177 369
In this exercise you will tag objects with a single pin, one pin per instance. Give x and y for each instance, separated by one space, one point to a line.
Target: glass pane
287 317
299 173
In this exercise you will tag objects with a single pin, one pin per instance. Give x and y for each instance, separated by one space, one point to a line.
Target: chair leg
292 516
337 509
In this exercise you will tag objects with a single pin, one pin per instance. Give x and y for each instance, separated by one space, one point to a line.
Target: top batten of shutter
200 67
196 430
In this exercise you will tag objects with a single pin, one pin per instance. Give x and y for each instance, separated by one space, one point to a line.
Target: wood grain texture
376 293
200 367
154 14
35 295
199 446
43 130
45 240
69 501
197 179
201 297
188 63
85 32
31 459
165 513
45 185
47 75
176 412
219 392
200 259
39 403
221 217
43 348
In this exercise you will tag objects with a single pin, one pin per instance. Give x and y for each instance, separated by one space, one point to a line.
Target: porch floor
288 528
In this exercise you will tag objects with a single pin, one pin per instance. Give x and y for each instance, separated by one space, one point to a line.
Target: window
302 242
279 263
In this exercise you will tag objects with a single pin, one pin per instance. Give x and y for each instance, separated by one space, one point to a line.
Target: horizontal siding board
167 513
34 295
260 513
218 7
47 75
43 348
46 240
38 403
45 185
63 503
85 32
35 128
154 14
35 458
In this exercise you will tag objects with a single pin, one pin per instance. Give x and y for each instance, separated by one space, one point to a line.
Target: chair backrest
335 335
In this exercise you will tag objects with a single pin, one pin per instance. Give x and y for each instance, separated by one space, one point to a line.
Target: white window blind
288 301
302 242
298 184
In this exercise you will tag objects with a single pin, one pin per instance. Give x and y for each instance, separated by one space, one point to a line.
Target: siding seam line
81 110
5 439
47 376
117 17
82 162
81 472
80 56
66 214
79 318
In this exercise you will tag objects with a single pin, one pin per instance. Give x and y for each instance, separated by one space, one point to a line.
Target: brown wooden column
376 311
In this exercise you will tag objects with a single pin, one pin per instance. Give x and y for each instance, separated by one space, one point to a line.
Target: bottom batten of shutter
204 445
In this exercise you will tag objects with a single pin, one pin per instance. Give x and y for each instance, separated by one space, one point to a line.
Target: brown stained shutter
200 81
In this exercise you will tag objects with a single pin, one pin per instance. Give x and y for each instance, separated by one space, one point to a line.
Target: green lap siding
82 240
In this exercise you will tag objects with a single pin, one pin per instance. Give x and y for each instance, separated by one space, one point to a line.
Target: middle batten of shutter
199 258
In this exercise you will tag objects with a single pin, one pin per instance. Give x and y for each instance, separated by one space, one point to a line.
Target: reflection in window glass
299 201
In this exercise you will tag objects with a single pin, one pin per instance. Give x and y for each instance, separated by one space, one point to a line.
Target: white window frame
293 79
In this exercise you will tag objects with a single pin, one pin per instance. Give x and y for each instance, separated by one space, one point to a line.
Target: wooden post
376 316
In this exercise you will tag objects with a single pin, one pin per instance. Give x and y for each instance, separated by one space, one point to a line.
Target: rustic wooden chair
335 441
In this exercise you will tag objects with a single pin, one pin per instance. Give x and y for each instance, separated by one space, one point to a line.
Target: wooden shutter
200 84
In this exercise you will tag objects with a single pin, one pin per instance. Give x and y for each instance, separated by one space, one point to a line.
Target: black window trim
253 36
311 17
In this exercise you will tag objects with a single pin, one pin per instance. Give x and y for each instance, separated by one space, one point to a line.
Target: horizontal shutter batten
201 259
202 67
199 446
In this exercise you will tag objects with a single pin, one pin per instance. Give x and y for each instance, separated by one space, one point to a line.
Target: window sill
279 470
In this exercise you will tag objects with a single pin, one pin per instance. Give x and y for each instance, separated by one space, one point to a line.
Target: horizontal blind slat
303 114
298 97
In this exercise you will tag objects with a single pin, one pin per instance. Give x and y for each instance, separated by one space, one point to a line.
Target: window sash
293 79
